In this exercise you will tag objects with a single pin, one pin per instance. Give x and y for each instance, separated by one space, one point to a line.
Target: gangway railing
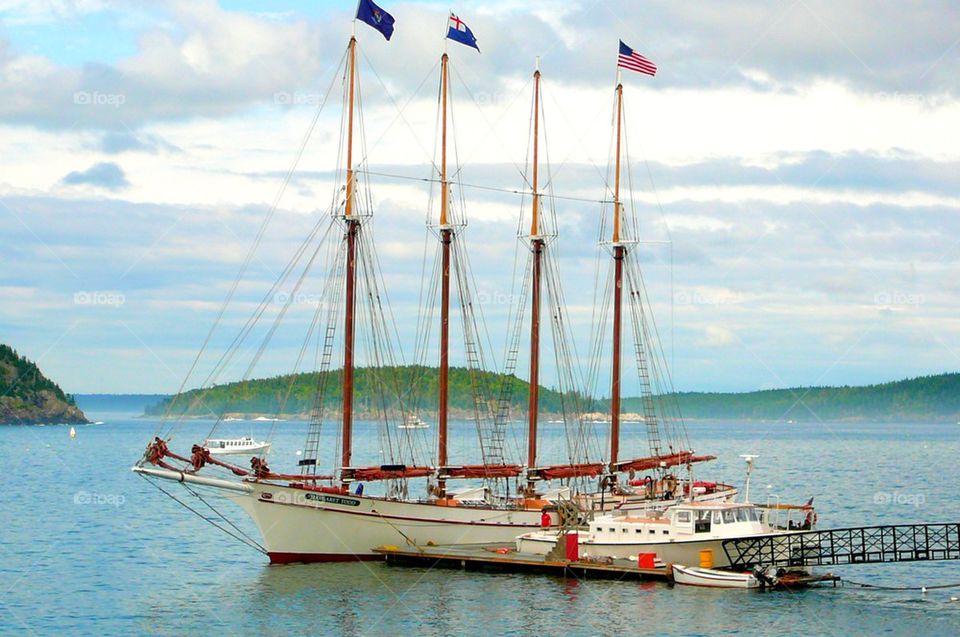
855 545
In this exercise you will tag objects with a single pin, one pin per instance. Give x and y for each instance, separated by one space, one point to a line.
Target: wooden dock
505 558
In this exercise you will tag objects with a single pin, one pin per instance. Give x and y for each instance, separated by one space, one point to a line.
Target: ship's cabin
681 522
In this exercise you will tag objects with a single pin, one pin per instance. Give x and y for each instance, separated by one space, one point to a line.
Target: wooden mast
353 226
446 236
533 406
618 254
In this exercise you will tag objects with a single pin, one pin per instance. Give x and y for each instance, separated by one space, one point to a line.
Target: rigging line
254 545
241 337
197 495
238 340
578 147
278 319
400 110
493 129
257 239
459 184
281 407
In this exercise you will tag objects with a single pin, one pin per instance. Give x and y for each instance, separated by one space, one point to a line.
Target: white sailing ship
309 516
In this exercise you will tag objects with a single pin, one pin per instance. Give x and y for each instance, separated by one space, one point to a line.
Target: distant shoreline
545 420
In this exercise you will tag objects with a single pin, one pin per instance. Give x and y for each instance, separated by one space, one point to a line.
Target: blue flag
458 31
376 17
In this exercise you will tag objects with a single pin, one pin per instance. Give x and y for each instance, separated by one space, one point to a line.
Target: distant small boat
413 422
265 419
231 419
73 432
712 578
236 446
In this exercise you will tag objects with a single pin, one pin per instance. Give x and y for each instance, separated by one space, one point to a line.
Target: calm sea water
87 547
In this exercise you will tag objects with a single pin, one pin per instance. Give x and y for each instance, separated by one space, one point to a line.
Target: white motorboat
236 446
712 578
413 422
687 533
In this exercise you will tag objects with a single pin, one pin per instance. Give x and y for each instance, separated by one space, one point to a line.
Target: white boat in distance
413 422
236 446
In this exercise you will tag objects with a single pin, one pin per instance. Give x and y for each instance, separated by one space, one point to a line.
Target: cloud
116 142
717 336
104 175
804 183
188 63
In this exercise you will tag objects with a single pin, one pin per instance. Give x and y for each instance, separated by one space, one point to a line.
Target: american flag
630 59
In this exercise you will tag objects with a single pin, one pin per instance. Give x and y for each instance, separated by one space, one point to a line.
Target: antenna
748 458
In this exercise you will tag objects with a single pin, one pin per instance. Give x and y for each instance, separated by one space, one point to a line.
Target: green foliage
374 389
923 399
929 398
21 378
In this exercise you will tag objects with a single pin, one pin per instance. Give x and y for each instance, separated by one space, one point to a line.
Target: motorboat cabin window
730 516
702 522
683 516
717 517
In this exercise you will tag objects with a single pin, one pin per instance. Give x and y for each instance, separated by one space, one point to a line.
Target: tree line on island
28 397
924 399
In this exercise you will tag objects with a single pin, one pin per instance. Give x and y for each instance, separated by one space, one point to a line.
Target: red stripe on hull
311 558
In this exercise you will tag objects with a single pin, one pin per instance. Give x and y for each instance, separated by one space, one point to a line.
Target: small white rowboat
695 576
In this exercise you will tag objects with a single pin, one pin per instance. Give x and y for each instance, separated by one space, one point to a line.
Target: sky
793 174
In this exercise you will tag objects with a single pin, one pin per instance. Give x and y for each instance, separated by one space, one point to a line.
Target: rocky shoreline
44 408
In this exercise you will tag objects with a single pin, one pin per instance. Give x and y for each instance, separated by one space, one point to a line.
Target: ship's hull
299 525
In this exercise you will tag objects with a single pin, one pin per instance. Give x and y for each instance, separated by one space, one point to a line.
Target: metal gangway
855 545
